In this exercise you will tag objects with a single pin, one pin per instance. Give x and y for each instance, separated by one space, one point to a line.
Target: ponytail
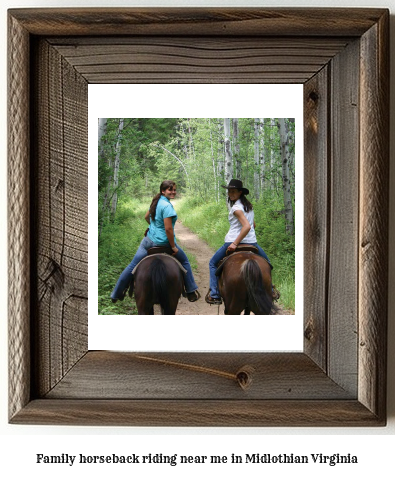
165 185
152 208
244 201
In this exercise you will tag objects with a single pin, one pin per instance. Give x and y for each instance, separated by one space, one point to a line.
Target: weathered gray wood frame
342 58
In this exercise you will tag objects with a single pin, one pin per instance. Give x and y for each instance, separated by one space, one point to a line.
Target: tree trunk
216 185
256 158
236 147
262 154
116 169
286 158
102 131
273 173
191 145
220 158
228 152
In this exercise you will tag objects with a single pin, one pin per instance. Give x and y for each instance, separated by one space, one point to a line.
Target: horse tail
256 292
159 282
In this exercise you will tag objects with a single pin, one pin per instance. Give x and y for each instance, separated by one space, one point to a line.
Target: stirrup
212 300
193 296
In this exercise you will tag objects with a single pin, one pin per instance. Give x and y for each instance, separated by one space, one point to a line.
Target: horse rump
259 300
159 281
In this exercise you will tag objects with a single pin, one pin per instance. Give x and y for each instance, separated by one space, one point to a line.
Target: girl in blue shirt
161 218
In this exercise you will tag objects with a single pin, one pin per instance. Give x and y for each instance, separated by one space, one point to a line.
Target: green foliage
208 220
190 151
118 243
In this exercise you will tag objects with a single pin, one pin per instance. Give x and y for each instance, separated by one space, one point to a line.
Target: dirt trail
192 244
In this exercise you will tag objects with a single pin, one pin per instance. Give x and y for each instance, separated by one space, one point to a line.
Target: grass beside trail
210 222
118 243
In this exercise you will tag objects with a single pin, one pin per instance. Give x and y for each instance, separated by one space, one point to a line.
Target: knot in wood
308 332
244 376
313 96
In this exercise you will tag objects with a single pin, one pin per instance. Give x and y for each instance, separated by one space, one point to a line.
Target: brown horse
158 279
246 284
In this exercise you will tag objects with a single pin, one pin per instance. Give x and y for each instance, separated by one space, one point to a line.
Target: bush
117 245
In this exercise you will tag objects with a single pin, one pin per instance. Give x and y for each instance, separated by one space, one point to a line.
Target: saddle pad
222 261
161 254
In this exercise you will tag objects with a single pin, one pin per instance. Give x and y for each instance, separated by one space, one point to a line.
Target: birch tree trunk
262 154
228 152
216 185
102 131
220 157
191 145
273 174
236 147
286 159
185 147
116 169
256 158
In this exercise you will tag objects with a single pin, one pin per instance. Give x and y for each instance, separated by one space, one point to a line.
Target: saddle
157 253
243 248
239 248
160 250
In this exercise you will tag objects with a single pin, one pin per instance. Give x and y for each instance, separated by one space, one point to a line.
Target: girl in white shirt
241 231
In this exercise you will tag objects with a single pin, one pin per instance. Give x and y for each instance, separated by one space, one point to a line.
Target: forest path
192 244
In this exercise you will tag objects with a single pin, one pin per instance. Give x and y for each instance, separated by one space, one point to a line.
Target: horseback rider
161 218
241 231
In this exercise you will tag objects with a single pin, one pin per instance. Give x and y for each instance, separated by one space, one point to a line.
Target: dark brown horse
158 279
246 284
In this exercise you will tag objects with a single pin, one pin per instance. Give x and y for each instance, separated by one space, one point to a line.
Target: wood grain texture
192 60
18 218
202 413
196 376
373 227
317 387
343 219
316 213
61 205
259 22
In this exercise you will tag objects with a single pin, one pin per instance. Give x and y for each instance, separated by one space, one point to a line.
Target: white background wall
20 444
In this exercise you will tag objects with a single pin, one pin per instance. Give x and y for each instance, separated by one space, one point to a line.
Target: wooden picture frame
342 58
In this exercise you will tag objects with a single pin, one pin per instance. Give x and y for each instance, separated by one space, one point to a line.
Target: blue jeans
125 278
213 264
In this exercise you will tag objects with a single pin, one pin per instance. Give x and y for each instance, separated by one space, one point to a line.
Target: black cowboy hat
236 184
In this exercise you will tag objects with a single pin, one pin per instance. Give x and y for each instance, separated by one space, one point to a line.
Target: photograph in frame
118 326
